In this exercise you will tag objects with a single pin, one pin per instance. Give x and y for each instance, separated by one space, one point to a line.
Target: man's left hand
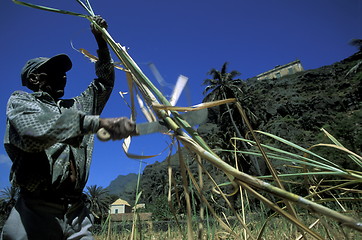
101 22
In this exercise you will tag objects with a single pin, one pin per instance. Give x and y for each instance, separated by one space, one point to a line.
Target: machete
193 118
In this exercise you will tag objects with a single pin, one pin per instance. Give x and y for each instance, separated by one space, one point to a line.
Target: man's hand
118 128
101 22
102 44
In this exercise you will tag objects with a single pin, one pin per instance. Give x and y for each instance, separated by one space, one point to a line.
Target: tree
99 199
8 197
160 209
223 85
357 43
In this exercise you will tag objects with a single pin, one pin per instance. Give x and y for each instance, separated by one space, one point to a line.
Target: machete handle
103 135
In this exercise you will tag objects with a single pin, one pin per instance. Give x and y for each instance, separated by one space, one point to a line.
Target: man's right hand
118 128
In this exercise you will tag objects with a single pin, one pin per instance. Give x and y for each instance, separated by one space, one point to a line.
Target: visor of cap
59 62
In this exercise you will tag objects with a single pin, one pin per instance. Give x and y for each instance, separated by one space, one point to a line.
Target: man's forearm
102 44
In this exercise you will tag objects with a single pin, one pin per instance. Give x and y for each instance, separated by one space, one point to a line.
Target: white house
120 206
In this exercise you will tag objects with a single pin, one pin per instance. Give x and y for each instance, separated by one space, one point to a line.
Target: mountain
124 186
294 107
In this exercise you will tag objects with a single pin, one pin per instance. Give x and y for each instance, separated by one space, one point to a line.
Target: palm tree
357 43
8 198
223 85
99 199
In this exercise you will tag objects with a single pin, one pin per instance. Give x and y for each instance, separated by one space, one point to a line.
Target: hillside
123 186
294 107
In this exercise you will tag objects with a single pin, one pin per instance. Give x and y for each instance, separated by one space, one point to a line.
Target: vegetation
287 107
306 193
99 201
8 197
279 228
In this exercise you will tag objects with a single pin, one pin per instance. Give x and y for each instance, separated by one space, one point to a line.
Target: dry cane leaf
195 107
126 145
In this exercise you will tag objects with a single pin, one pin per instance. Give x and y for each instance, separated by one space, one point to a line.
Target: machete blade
193 118
150 127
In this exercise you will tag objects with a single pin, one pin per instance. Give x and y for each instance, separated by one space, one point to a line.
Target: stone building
281 71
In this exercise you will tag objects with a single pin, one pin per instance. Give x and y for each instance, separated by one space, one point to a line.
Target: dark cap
60 62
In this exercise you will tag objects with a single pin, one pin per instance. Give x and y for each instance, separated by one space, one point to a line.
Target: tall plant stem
264 186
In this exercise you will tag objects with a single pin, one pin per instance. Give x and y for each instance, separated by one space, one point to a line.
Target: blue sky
186 37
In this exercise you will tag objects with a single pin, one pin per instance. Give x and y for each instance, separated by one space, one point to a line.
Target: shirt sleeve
36 126
104 67
95 97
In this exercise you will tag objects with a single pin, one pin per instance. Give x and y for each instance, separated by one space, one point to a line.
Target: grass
276 228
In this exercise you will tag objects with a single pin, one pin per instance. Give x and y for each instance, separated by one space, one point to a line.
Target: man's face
52 82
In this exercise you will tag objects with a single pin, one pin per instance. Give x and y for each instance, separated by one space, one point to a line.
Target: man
50 143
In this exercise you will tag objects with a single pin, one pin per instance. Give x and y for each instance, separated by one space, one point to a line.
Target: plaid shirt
43 136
